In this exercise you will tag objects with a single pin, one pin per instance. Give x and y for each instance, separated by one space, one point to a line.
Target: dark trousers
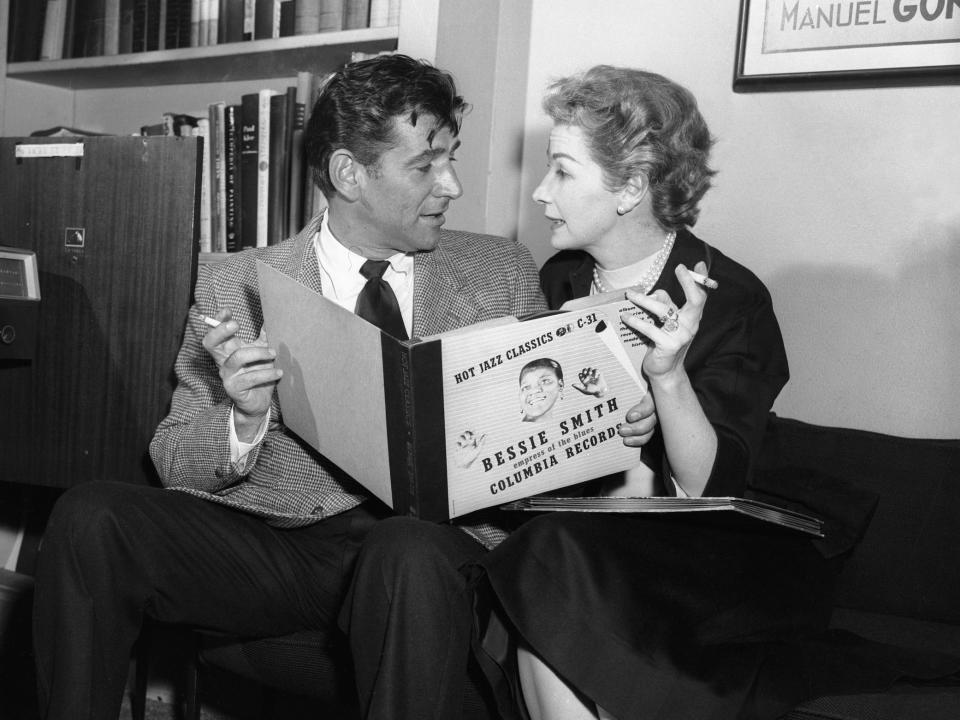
114 553
408 616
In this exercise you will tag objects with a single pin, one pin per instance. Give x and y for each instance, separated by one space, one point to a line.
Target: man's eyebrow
431 153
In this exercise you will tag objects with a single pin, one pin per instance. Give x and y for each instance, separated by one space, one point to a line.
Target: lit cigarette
707 282
212 322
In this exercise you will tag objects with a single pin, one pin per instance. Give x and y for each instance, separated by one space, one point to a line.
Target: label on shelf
50 150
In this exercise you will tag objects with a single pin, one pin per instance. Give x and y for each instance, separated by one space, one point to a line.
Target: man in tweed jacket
466 279
255 534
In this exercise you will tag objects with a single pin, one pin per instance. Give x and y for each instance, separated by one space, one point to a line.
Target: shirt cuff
240 450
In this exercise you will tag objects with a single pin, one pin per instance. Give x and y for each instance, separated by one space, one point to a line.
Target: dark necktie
377 303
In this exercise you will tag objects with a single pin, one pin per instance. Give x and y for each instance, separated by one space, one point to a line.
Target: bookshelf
259 59
484 44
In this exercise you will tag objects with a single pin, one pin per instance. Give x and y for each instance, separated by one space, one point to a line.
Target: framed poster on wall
794 44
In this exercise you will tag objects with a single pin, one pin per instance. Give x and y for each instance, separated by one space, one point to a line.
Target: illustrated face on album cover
535 405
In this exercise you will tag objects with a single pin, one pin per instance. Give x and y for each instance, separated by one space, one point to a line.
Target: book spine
185 23
266 19
231 130
53 30
196 10
162 24
153 29
230 21
176 28
281 112
379 13
277 18
356 14
250 113
27 18
263 167
87 33
429 422
218 189
331 16
202 130
138 25
70 27
169 26
125 31
306 16
287 23
111 27
213 22
203 30
295 219
398 402
249 19
413 387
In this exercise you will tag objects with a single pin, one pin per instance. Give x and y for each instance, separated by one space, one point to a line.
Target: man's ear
633 192
346 174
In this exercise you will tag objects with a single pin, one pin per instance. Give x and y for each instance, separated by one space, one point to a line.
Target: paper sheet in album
325 394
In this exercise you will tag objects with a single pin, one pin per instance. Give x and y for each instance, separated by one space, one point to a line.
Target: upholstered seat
311 664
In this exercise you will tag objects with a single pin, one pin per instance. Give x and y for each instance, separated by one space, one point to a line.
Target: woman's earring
621 211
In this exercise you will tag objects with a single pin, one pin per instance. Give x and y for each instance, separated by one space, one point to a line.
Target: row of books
256 189
55 29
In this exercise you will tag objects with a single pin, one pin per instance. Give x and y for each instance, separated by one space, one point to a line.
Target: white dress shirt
342 281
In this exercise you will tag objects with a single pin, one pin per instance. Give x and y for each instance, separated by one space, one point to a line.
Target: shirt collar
338 261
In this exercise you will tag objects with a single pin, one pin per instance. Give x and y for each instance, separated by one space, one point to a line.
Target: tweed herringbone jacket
466 279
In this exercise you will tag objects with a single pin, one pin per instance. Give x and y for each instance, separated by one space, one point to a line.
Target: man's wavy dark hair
355 110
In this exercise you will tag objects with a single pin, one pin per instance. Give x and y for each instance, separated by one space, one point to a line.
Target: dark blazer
737 362
466 279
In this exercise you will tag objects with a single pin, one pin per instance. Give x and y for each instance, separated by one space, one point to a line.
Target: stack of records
608 504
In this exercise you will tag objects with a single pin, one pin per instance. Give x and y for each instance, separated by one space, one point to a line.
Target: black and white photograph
479 360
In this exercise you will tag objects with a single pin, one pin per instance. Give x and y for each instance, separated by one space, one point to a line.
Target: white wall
845 202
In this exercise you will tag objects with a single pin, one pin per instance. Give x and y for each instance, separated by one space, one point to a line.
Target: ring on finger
670 324
672 312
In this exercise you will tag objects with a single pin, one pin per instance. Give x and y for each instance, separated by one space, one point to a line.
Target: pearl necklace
651 276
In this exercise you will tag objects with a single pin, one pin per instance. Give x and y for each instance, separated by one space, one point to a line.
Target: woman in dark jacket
658 616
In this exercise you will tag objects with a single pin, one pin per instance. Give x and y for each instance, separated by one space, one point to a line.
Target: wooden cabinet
114 232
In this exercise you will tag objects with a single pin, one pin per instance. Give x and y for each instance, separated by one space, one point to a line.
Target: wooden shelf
252 60
212 258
